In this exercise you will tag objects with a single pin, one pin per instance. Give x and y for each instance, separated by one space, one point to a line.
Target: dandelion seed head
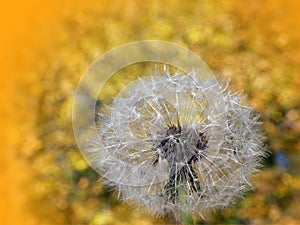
169 133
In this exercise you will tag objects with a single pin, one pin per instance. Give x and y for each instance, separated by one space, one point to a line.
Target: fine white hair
174 142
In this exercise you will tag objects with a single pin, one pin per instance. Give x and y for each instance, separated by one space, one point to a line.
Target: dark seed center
178 145
180 148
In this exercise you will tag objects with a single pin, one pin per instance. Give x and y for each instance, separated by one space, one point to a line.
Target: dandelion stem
186 215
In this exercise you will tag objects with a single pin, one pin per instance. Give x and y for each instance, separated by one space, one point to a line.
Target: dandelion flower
178 142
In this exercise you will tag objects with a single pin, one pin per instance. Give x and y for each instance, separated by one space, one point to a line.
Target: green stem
187 217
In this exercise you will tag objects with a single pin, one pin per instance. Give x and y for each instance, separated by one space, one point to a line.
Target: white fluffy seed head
178 142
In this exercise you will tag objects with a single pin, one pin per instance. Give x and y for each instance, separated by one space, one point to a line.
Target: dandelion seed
179 142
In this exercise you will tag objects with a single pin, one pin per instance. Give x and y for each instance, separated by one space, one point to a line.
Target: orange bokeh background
27 27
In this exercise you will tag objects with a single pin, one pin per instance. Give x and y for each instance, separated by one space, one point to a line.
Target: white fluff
137 151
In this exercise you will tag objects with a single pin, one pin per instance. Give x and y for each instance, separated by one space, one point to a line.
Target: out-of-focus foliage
255 43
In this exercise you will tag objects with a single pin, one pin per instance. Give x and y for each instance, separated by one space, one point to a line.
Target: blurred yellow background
46 47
